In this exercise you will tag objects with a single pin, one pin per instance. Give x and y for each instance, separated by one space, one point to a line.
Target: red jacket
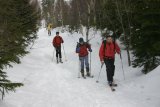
109 51
83 49
57 41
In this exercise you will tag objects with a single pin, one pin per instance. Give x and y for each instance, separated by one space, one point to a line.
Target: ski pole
99 73
64 53
122 66
53 54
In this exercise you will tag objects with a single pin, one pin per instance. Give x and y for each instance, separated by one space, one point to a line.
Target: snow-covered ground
47 84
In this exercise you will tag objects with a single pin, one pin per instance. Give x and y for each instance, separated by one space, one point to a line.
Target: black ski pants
58 52
110 68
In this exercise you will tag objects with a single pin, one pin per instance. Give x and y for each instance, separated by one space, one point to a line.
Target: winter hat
57 33
81 40
107 36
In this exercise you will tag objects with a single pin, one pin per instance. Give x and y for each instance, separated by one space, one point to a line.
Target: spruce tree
146 38
18 27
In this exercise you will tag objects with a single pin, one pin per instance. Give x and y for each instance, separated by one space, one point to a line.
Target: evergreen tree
146 39
18 27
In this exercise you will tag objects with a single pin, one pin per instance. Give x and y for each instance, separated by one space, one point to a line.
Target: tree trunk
126 40
61 13
80 20
88 22
87 34
129 57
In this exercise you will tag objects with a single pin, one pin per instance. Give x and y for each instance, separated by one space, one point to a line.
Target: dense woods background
135 22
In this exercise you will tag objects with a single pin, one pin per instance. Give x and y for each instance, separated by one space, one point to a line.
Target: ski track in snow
47 84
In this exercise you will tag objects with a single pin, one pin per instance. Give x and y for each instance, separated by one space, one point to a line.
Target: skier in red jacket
57 41
82 49
107 53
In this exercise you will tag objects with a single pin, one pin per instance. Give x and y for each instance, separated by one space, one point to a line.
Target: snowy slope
50 85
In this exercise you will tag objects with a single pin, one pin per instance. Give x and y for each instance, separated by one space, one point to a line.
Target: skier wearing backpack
107 53
57 41
82 49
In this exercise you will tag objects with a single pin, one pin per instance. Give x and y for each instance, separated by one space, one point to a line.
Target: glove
102 62
55 47
77 50
90 50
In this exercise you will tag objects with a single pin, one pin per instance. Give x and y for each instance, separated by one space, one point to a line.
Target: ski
112 88
90 76
82 77
114 85
59 63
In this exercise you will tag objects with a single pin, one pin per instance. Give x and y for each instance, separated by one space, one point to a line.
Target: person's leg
113 69
113 66
60 54
109 71
49 32
57 55
87 65
82 65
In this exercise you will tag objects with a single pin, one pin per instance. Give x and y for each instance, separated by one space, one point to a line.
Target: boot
88 73
114 84
82 73
110 83
60 60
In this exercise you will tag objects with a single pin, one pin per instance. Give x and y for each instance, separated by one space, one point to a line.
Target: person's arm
53 42
77 48
101 53
89 47
62 40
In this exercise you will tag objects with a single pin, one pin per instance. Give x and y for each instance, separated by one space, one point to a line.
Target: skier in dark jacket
82 49
57 41
107 53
